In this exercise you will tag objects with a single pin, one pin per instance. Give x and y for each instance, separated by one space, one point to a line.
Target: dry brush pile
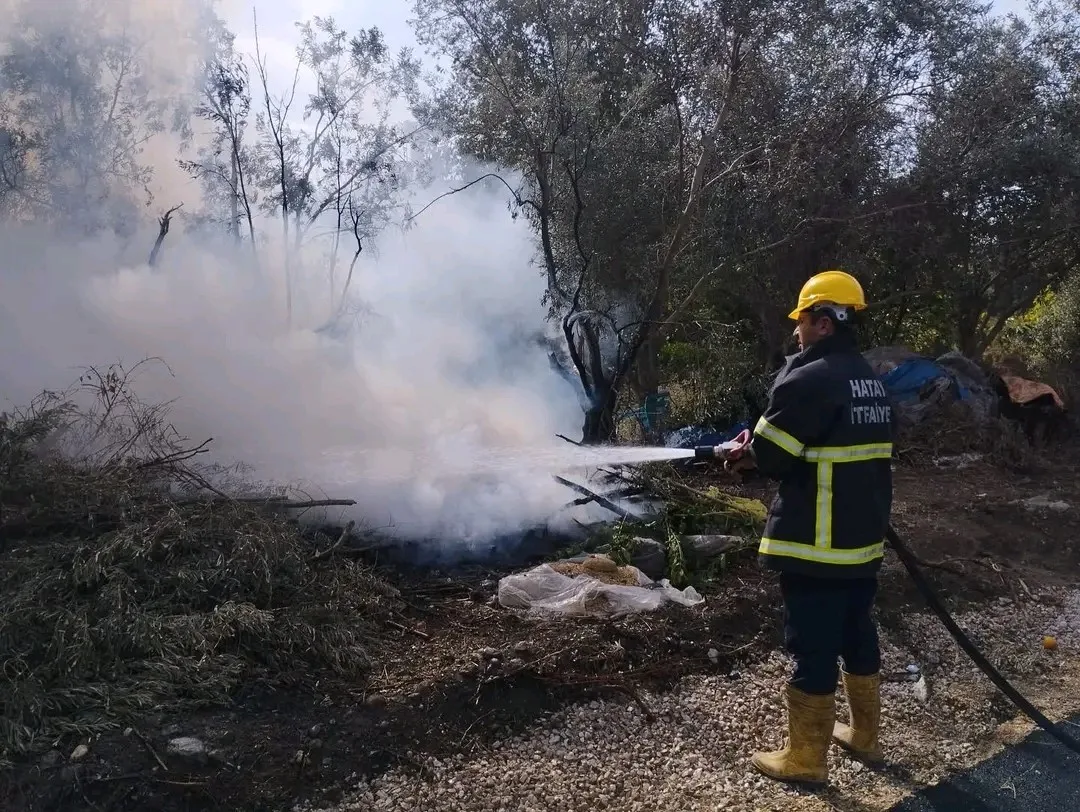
956 430
127 583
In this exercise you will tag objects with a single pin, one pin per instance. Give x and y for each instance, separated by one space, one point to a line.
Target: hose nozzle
714 452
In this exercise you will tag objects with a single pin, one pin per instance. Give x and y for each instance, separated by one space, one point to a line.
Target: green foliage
1046 336
676 562
927 147
712 378
622 545
712 510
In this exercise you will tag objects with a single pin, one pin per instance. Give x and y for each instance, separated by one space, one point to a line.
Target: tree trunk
599 424
648 365
648 377
234 206
898 321
776 338
967 338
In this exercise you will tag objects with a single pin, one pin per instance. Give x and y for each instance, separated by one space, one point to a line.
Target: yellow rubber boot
810 724
860 737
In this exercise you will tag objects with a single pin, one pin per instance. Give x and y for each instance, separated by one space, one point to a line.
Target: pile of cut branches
670 501
692 505
121 593
956 430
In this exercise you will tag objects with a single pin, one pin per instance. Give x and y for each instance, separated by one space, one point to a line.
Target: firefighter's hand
741 457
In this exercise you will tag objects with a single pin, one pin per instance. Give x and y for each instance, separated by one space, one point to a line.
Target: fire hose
911 564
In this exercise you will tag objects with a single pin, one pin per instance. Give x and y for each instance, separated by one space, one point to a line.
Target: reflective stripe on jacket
827 435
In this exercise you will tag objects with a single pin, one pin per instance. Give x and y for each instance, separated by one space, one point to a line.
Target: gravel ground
605 755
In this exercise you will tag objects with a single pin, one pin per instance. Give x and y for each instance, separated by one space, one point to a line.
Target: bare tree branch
163 228
467 186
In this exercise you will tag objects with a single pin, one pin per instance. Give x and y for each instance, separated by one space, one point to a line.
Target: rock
375 700
957 460
487 654
700 550
315 730
188 749
1044 502
522 648
649 556
714 656
921 690
599 563
79 753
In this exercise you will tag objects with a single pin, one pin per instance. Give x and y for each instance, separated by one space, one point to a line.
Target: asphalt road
1037 775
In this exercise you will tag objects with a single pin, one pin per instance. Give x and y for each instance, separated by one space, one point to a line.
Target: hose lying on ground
910 563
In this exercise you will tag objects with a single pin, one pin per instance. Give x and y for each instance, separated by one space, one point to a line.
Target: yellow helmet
833 287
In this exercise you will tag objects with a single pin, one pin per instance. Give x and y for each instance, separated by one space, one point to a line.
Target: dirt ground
456 672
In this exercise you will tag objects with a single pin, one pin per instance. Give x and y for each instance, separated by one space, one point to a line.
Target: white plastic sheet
545 590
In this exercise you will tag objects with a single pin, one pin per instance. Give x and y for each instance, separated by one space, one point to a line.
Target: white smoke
431 411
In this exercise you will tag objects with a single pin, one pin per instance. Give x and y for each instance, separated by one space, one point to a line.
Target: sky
277 32
278 37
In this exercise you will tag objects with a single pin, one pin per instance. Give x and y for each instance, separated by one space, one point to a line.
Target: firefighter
826 435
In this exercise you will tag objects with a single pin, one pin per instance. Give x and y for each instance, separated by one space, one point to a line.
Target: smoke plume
436 407
429 408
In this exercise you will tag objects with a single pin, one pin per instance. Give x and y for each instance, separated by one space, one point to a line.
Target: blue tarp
907 379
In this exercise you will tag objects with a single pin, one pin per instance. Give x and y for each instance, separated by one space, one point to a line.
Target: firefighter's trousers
827 620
